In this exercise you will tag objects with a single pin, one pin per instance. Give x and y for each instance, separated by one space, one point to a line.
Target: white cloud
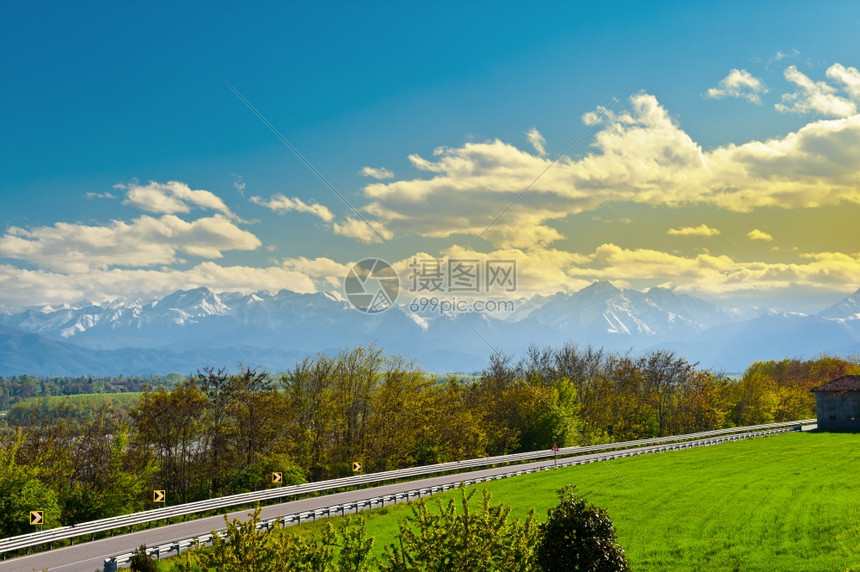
281 204
536 140
361 231
171 198
639 155
739 83
325 273
547 270
238 184
701 230
377 172
539 271
817 97
145 241
720 275
780 55
848 77
104 195
756 234
23 288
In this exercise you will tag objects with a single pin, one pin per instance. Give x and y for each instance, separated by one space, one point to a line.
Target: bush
141 562
473 539
579 536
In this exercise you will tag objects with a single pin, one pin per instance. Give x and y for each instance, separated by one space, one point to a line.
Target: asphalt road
89 556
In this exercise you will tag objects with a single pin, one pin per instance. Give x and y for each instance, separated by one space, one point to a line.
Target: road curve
89 556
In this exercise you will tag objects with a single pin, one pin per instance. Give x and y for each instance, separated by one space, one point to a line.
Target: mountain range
191 329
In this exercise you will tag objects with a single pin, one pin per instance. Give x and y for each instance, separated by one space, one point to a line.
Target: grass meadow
783 503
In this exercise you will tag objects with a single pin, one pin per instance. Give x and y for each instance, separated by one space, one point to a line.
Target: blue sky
728 169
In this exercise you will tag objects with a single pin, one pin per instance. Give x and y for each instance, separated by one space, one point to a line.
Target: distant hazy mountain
24 352
190 329
774 335
602 311
847 309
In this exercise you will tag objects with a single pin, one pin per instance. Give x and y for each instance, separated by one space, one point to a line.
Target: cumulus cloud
281 204
756 234
536 140
377 172
739 83
145 241
361 231
818 96
848 77
701 230
171 198
640 155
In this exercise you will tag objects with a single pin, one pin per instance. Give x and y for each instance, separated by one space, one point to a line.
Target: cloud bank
638 156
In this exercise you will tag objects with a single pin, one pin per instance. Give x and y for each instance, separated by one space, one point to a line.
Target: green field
70 405
783 503
84 399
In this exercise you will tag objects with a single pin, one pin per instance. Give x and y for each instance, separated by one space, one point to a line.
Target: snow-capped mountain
604 310
847 309
189 329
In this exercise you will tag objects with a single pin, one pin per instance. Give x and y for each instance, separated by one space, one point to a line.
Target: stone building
837 404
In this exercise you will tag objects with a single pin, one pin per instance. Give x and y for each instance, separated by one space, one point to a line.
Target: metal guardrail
126 521
112 562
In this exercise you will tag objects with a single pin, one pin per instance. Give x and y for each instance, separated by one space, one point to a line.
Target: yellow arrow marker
159 496
277 477
37 517
356 467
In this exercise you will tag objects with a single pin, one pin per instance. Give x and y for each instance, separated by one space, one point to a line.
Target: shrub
579 536
141 562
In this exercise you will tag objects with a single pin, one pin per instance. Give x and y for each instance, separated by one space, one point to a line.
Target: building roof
844 383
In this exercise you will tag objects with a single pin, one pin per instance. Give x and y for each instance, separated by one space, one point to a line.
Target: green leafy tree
482 539
578 537
21 491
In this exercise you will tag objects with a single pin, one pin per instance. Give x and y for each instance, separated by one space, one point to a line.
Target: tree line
216 433
17 388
